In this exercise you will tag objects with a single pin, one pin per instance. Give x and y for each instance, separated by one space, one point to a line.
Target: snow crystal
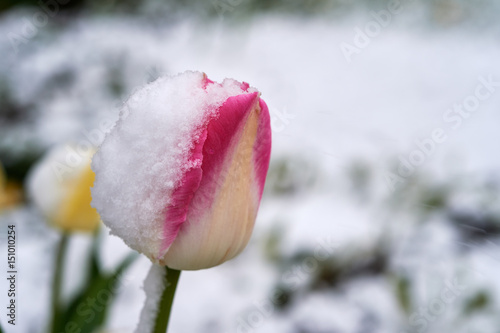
146 154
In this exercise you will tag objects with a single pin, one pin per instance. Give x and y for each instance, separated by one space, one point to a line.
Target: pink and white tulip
180 177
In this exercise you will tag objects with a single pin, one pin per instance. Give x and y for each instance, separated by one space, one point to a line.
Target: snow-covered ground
371 159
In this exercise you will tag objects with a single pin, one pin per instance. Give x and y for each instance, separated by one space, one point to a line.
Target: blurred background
381 212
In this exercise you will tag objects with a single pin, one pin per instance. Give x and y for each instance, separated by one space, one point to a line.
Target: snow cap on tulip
181 175
59 185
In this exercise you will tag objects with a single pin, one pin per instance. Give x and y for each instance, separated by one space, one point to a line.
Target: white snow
154 285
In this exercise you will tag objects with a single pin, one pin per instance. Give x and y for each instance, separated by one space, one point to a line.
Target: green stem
167 298
56 285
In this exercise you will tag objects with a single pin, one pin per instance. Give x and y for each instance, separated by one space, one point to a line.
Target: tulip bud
59 185
181 175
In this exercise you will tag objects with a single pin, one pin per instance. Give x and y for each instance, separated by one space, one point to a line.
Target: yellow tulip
59 185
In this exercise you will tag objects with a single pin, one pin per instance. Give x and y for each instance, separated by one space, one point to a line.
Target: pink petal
221 133
211 148
219 224
262 147
182 196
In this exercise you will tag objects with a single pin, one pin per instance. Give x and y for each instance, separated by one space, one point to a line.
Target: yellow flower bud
59 185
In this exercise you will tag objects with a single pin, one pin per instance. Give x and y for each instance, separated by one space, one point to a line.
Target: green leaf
403 293
56 310
89 309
